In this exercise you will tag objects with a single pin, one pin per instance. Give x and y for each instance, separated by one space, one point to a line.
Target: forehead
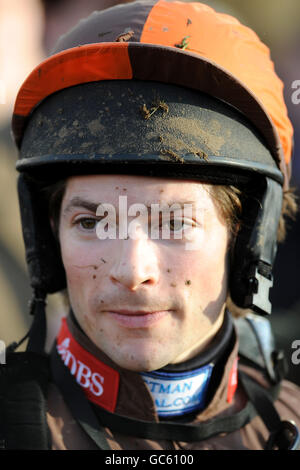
138 189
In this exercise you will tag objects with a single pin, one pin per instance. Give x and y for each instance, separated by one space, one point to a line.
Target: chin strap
38 330
23 383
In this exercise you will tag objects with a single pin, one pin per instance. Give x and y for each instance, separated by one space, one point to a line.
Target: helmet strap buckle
259 287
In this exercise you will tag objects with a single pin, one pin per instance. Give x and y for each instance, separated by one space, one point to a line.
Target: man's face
144 302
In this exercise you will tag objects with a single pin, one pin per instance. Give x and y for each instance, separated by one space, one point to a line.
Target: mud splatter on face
88 266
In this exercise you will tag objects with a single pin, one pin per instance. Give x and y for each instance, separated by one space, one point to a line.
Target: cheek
203 272
214 266
80 253
75 253
82 263
90 325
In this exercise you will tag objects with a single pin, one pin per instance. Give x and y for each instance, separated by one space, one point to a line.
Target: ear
54 224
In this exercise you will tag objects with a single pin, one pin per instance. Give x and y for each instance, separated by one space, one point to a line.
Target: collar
126 393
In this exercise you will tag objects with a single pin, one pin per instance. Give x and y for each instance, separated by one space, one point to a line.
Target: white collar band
178 393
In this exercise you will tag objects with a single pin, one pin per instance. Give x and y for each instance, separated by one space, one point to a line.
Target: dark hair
230 201
54 195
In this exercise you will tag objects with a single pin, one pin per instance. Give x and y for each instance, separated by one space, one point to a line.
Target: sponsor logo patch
178 393
99 382
232 381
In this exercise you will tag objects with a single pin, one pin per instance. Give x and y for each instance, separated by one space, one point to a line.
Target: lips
137 318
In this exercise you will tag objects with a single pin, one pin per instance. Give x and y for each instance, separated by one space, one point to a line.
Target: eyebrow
83 203
77 202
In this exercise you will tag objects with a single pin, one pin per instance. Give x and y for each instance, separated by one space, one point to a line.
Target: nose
136 264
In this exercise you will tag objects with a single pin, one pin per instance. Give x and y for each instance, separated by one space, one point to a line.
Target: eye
179 224
176 224
86 223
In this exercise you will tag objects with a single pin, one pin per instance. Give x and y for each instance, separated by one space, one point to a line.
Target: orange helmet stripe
106 61
222 39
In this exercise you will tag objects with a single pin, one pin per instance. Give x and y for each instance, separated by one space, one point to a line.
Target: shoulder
265 365
255 434
23 384
288 402
65 432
